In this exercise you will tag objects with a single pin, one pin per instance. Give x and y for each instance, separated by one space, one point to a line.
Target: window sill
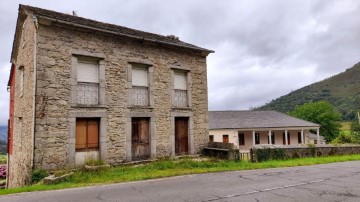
181 108
88 106
140 107
87 150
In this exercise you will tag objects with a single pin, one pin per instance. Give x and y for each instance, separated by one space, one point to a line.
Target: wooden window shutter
93 134
180 81
87 72
140 77
81 134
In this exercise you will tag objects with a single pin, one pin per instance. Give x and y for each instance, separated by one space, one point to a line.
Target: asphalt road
329 182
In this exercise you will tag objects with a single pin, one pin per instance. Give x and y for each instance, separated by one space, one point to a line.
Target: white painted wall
81 157
233 137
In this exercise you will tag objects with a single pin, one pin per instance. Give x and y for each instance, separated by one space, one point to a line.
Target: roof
106 27
254 119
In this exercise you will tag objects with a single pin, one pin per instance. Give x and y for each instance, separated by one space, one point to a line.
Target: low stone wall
264 153
221 150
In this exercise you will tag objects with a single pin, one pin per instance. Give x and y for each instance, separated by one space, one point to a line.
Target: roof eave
20 19
202 50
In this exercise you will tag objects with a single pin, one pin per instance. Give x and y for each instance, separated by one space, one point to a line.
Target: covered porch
246 138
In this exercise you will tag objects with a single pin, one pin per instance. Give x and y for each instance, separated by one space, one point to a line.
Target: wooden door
181 136
140 139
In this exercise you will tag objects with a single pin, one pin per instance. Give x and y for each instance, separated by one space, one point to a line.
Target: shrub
345 138
3 171
38 175
279 154
263 154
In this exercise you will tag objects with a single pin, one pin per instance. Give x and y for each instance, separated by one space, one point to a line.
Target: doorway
181 135
140 138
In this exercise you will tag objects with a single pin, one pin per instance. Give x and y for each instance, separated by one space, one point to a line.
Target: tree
322 113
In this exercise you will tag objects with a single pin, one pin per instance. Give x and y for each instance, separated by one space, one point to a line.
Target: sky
263 48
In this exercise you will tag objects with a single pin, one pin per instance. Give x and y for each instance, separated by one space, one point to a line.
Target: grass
3 159
345 126
168 168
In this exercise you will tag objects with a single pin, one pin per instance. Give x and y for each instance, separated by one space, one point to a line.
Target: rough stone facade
20 160
55 114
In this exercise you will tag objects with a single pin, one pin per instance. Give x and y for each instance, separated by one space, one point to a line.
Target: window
211 138
241 139
20 131
299 138
288 138
272 138
21 80
180 89
87 81
257 138
87 134
315 141
140 85
225 138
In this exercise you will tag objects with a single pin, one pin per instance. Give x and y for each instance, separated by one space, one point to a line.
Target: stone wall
20 160
267 153
221 150
56 46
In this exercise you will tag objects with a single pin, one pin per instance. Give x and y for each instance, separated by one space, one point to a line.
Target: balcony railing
180 98
139 96
87 93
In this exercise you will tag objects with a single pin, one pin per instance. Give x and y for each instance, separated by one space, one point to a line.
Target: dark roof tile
111 27
254 119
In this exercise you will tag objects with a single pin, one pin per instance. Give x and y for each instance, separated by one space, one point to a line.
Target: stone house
85 89
248 128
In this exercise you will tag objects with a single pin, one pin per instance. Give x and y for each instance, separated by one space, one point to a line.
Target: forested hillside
341 90
3 139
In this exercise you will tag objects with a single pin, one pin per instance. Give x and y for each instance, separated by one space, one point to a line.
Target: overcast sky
263 48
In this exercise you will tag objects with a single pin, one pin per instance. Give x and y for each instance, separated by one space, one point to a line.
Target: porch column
270 142
318 135
286 137
302 136
253 133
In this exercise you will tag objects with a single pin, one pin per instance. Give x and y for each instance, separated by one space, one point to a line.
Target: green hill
341 90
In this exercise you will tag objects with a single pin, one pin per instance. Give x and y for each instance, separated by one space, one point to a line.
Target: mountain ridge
341 90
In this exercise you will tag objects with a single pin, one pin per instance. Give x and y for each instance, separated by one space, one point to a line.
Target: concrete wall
233 137
21 157
56 46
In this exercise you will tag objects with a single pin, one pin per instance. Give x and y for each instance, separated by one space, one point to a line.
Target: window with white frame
87 81
140 85
180 89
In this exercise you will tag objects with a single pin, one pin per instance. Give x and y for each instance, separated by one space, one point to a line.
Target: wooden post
286 137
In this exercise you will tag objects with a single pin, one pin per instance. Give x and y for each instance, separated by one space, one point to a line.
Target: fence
245 156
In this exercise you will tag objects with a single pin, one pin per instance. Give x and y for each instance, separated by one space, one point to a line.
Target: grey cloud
264 48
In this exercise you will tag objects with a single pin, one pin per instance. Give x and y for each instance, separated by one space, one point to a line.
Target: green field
168 168
3 159
345 126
